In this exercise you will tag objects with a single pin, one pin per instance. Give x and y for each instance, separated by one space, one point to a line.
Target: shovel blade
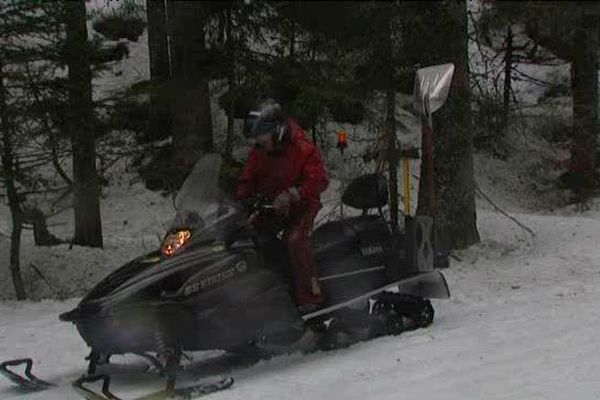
432 85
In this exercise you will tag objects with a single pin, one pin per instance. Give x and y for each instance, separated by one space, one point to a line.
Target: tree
19 127
88 227
570 30
8 172
189 88
456 221
159 116
455 212
35 116
231 46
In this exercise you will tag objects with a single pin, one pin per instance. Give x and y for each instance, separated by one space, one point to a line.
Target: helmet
270 119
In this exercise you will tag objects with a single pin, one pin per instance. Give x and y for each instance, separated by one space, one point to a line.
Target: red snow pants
304 269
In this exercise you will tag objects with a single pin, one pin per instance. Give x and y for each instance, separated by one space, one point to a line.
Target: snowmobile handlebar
258 204
262 219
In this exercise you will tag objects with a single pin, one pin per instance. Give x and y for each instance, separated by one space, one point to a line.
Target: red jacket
298 164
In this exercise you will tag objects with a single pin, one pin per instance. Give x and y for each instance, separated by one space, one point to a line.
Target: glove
253 219
284 200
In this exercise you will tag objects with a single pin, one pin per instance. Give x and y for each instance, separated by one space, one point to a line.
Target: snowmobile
217 282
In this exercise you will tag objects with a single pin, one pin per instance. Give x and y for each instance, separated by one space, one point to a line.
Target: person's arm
246 183
314 179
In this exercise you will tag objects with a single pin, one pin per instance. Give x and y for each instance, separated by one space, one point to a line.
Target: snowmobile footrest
28 382
89 394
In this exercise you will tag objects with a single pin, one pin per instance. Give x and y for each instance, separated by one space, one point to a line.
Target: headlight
174 241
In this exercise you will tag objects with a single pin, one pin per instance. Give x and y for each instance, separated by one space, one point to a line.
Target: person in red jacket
287 168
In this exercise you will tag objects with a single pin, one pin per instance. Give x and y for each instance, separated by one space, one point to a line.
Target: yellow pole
406 177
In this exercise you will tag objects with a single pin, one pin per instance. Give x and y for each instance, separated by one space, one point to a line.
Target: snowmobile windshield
200 203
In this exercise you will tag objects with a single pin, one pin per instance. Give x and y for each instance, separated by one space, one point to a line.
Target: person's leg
304 270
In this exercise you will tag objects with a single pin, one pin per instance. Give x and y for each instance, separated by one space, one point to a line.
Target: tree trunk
508 61
585 106
231 84
88 227
192 121
159 121
11 191
41 234
455 218
230 125
15 255
390 127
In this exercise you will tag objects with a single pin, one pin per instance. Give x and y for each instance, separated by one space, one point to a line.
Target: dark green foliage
101 55
344 110
130 114
337 20
306 69
213 63
244 101
118 26
158 171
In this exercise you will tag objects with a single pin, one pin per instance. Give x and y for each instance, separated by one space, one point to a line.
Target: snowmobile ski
29 382
420 279
185 393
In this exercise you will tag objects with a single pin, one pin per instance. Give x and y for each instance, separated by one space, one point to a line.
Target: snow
521 323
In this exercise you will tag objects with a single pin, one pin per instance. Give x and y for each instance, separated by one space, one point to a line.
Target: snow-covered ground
522 323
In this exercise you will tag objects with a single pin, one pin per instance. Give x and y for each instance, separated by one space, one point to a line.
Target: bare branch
501 211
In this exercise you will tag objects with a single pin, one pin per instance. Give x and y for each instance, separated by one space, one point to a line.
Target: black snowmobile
219 283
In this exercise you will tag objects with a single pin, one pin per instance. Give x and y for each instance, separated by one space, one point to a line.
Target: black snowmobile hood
200 208
151 280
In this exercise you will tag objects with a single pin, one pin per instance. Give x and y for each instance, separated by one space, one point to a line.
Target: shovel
432 85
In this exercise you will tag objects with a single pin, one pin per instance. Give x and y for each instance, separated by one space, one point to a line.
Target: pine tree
159 125
436 33
88 227
22 61
9 180
189 87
